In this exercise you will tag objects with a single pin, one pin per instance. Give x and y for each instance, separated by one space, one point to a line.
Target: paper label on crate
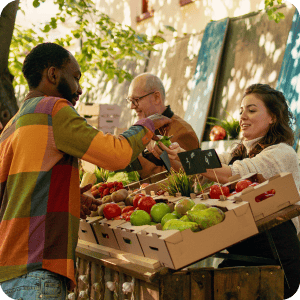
165 159
191 161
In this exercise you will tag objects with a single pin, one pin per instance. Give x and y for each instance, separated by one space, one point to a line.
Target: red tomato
145 203
105 192
242 184
215 191
136 199
217 133
127 217
126 209
110 185
111 210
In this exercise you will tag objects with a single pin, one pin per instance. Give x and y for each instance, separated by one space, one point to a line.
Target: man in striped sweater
39 178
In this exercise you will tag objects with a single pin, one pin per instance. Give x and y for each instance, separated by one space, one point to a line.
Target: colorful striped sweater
39 182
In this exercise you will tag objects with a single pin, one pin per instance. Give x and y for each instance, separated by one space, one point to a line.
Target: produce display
150 225
215 190
194 216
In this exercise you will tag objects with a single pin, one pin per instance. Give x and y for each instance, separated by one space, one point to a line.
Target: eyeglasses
134 101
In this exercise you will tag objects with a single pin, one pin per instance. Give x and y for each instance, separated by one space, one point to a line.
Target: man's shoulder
44 104
176 120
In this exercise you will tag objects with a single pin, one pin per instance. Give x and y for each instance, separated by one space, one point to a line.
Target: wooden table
95 269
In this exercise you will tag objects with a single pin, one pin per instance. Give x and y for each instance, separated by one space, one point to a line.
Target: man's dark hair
41 57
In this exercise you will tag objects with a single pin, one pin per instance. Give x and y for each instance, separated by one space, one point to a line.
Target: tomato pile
215 191
102 189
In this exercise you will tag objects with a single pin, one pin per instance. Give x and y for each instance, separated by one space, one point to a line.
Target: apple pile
215 190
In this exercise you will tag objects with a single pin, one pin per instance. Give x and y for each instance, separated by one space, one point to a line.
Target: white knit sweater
269 162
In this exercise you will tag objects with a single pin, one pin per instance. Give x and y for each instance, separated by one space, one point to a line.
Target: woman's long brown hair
280 131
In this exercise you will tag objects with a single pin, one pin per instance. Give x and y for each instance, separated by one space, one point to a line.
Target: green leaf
46 28
53 23
36 3
170 28
158 39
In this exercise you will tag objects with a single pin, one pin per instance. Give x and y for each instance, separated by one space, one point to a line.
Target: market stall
116 260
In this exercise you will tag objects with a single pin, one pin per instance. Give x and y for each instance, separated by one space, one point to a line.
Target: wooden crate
94 270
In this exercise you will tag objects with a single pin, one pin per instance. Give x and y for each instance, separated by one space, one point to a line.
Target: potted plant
231 127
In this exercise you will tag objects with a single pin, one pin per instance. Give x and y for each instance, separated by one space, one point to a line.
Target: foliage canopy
102 42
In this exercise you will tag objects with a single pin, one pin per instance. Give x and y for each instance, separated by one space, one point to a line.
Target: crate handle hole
153 248
84 231
127 241
105 235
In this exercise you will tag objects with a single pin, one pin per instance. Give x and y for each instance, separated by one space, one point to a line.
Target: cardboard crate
175 249
107 110
127 238
151 180
97 109
89 109
105 234
86 232
286 193
154 187
109 122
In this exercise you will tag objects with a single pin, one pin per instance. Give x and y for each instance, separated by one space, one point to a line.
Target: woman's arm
222 174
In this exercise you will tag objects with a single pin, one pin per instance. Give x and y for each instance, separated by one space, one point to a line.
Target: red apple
217 133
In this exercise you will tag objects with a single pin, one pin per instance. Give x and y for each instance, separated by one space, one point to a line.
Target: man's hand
159 120
172 150
87 203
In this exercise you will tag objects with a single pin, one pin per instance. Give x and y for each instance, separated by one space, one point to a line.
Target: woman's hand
172 150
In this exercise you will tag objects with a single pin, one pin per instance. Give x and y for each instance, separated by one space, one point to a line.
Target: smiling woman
266 148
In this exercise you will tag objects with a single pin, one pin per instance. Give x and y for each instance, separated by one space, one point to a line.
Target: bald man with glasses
146 95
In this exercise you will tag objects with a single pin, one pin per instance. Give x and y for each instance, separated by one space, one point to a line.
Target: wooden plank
93 246
136 259
149 291
271 283
97 282
205 75
175 286
289 78
237 283
278 218
139 272
201 284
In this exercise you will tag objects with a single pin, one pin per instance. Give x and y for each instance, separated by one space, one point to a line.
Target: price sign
210 159
134 166
165 159
192 162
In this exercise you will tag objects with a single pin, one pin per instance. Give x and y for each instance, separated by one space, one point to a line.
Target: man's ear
158 98
52 75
